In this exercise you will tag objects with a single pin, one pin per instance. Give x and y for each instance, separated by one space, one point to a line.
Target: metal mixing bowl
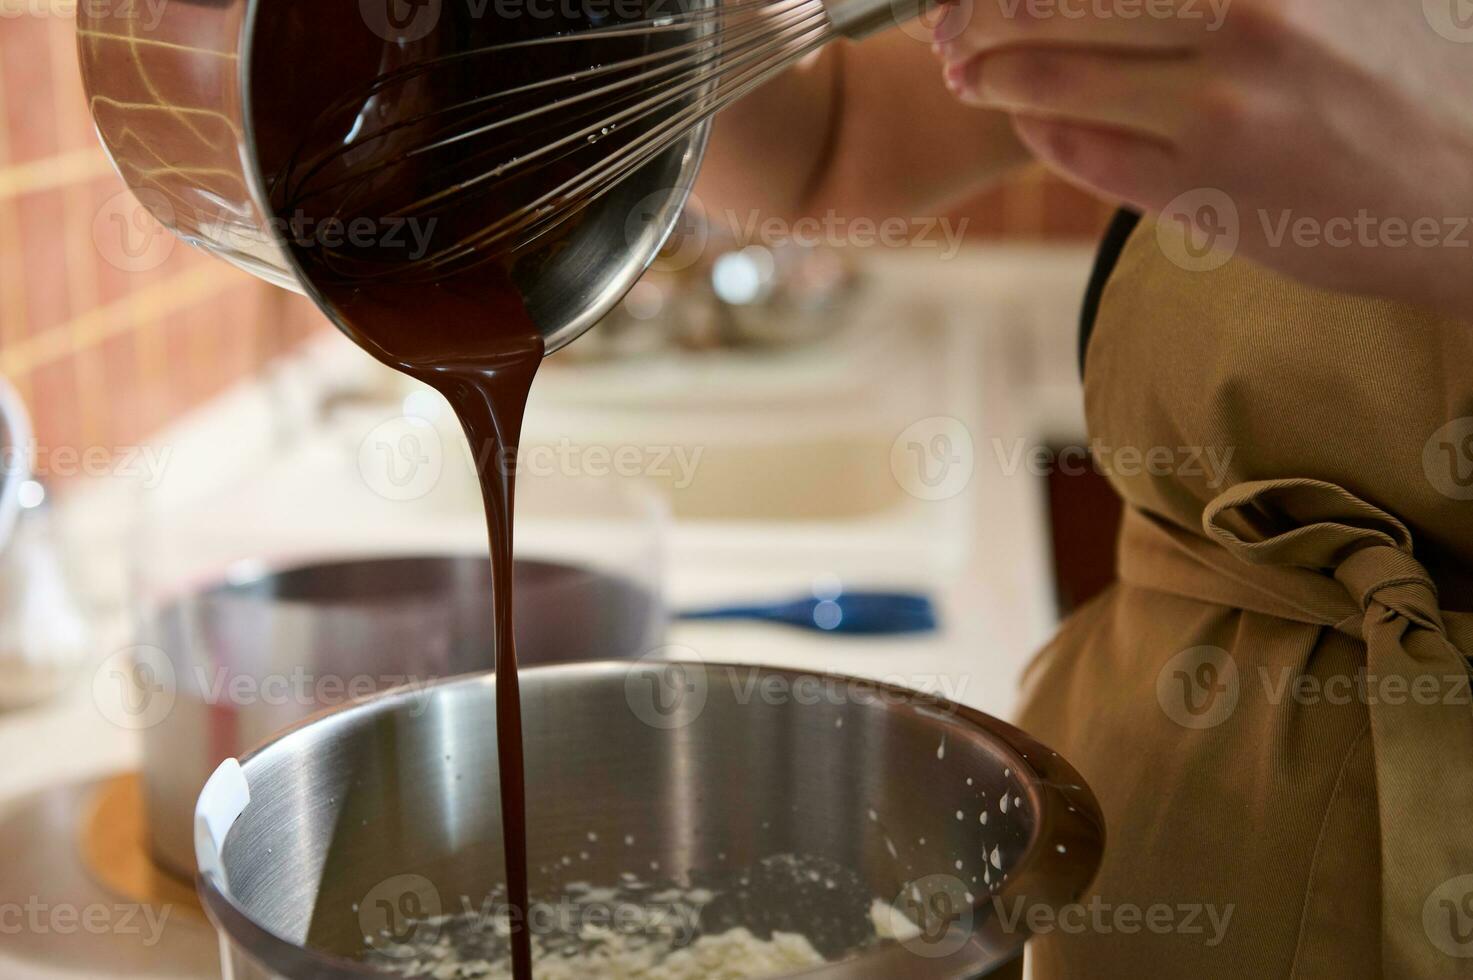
300 638
703 774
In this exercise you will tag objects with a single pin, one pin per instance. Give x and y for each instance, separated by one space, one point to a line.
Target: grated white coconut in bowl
601 953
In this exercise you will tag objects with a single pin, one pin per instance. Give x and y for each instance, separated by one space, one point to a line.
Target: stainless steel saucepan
243 659
174 95
794 800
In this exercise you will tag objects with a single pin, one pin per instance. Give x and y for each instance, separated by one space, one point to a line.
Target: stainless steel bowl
175 96
241 660
345 826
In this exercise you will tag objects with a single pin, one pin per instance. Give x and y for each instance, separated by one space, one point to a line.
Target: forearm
903 145
769 148
861 130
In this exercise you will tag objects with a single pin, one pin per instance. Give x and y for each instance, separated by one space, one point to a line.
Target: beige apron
1272 704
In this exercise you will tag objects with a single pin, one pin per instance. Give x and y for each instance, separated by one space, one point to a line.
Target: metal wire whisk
528 151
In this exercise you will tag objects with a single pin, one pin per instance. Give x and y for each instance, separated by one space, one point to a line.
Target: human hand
1330 141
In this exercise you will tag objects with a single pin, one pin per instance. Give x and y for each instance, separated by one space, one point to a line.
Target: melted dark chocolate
480 349
319 92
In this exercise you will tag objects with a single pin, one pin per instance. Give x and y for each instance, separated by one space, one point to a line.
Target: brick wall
110 328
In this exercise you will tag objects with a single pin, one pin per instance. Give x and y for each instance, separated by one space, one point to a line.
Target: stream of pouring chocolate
469 336
348 139
471 339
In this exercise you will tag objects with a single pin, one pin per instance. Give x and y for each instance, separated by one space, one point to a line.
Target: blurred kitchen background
794 422
107 355
116 336
753 425
760 368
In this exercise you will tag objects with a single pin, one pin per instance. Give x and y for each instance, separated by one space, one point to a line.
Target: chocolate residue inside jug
347 178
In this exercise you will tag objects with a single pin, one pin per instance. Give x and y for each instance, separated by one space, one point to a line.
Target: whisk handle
858 19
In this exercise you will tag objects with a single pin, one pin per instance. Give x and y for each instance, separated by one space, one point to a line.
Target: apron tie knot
1312 552
1386 581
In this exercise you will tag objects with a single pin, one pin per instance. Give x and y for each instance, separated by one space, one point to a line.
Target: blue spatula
870 613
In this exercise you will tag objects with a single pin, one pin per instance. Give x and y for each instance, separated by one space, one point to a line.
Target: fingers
1101 92
973 27
1122 166
1139 94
